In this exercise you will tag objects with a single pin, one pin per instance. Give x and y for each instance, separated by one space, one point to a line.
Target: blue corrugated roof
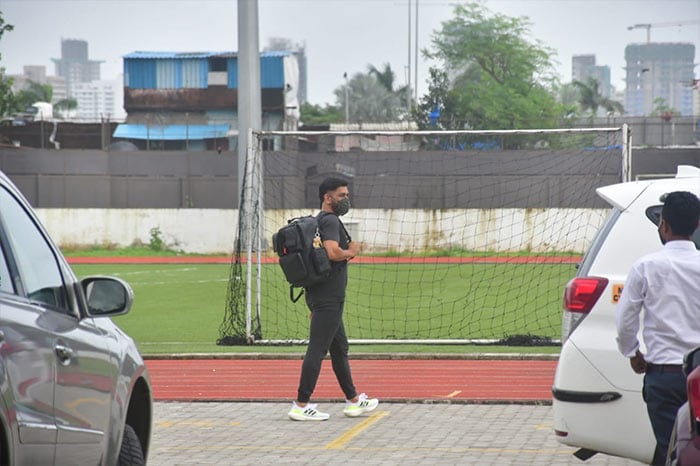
171 132
151 55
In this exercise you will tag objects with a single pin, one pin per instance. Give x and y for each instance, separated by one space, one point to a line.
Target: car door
85 377
82 372
27 349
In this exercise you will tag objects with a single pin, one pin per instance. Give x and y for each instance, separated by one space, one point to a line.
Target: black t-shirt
332 290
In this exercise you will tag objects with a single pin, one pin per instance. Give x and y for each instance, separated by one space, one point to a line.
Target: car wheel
131 453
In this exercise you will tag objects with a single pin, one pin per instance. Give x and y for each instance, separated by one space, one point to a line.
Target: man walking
326 301
666 284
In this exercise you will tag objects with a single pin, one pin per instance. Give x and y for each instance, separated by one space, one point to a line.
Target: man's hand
638 363
354 249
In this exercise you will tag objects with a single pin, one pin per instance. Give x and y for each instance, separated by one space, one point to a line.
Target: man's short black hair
328 185
681 211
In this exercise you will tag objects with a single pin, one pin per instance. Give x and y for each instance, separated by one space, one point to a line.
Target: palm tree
65 105
591 99
387 78
369 100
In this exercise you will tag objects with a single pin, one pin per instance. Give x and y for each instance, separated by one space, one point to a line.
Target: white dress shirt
666 284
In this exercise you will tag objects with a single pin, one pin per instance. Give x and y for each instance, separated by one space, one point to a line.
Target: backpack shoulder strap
323 213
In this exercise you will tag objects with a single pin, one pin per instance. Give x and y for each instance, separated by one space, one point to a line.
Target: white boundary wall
212 231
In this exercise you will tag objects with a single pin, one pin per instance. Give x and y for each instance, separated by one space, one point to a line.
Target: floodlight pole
347 101
249 120
249 112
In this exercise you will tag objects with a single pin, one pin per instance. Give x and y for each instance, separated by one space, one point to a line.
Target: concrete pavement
259 433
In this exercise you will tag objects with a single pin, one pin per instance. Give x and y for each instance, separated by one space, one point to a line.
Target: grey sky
340 35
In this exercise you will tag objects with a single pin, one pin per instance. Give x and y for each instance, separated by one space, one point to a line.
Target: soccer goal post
467 236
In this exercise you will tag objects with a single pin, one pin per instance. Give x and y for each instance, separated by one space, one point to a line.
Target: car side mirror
107 296
691 360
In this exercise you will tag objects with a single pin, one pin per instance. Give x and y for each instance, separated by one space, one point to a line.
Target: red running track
476 381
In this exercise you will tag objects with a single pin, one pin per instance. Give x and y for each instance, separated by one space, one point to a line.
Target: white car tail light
580 295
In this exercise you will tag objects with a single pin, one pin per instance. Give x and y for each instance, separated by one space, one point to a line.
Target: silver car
74 387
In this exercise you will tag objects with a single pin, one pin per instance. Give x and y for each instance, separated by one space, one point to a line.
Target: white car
597 398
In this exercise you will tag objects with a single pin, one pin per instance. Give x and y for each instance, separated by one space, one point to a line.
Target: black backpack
302 256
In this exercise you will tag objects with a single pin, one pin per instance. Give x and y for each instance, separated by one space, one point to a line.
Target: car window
597 242
38 268
654 215
5 278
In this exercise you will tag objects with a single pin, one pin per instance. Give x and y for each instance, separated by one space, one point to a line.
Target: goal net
467 237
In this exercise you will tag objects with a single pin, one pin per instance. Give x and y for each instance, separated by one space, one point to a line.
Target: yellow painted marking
343 440
454 393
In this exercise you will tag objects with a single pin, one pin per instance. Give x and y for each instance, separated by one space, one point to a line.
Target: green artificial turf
179 308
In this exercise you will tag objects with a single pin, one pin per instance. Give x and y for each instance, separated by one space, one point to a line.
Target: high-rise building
659 74
74 65
37 74
583 68
99 100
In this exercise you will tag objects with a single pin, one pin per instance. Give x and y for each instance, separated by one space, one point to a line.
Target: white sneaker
363 405
306 413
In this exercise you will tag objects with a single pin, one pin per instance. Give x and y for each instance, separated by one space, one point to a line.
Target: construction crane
648 26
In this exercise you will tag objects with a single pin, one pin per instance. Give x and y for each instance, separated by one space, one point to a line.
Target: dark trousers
664 393
327 332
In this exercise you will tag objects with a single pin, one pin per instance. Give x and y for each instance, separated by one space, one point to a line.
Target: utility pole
408 75
415 65
249 112
347 101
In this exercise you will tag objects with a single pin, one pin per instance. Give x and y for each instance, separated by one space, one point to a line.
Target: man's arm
338 254
330 230
628 320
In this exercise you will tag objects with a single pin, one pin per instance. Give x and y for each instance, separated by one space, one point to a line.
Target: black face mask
341 207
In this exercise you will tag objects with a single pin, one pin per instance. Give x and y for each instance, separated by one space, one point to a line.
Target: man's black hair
681 211
328 185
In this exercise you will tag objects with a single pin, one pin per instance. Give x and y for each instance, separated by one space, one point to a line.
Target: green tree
8 103
7 100
663 110
435 110
387 78
369 100
34 92
312 115
499 80
65 105
590 98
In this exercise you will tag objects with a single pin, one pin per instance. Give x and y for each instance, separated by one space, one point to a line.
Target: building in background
77 77
659 74
189 100
298 49
37 74
583 68
99 101
74 65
